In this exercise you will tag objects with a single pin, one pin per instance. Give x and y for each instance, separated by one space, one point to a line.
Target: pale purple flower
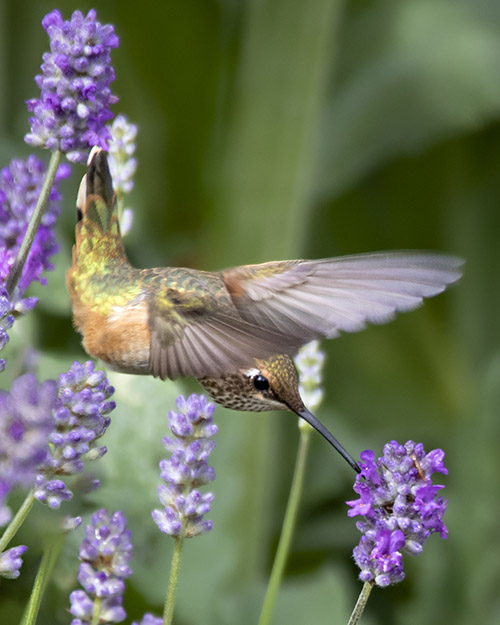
11 562
6 319
187 468
309 362
80 418
75 86
82 606
105 554
122 163
149 619
20 186
122 166
25 424
399 506
70 523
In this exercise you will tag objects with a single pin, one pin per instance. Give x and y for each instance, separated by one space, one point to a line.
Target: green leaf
319 598
412 74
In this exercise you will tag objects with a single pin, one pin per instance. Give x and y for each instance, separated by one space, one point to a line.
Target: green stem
17 521
360 606
96 611
168 612
36 218
287 529
50 555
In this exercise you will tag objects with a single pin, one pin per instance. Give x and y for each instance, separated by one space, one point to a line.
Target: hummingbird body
233 330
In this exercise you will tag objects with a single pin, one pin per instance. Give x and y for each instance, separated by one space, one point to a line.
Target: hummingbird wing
308 299
196 330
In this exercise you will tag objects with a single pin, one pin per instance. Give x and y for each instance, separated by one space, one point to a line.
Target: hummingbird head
271 384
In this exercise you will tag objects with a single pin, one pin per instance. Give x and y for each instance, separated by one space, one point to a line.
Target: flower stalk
360 606
49 558
168 612
288 527
17 520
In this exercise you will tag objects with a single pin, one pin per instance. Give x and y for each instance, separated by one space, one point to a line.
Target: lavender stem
17 521
360 606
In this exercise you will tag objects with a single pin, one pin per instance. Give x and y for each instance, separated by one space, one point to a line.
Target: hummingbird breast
120 337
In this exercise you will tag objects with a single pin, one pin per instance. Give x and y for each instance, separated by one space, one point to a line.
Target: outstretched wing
313 298
196 330
206 325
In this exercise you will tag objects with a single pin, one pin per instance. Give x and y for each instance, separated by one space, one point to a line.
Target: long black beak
319 427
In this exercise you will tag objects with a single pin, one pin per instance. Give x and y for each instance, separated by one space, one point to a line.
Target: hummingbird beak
319 427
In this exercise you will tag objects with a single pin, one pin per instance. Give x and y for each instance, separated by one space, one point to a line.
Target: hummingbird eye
261 383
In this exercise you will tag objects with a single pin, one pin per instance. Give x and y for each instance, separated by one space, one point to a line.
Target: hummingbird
234 330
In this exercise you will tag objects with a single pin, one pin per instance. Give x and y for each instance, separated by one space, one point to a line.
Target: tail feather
96 201
98 241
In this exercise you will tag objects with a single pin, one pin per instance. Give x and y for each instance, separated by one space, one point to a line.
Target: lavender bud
11 562
149 619
80 418
121 150
20 186
105 555
309 362
73 108
25 424
183 506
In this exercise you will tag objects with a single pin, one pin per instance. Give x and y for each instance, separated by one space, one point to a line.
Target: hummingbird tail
96 201
98 244
319 427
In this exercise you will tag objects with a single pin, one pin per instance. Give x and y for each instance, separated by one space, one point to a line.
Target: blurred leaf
320 598
288 49
424 71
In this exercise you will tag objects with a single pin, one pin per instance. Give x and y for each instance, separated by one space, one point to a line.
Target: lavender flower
20 186
75 96
11 562
190 447
105 554
80 415
122 166
6 319
70 523
400 508
149 619
25 424
121 150
309 362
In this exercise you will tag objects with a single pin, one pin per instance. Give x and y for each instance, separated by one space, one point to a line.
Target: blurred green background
290 128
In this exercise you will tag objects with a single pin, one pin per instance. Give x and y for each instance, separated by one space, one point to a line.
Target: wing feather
310 299
213 347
